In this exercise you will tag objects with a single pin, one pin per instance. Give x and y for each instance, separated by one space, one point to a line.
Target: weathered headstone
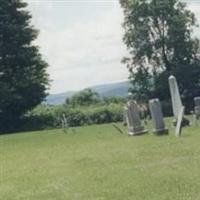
197 107
157 117
127 119
176 100
196 112
133 119
197 101
175 96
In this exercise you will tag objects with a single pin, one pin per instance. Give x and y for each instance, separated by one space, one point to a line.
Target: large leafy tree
159 37
23 76
84 97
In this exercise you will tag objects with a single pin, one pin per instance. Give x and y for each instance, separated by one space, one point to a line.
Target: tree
84 97
158 35
23 80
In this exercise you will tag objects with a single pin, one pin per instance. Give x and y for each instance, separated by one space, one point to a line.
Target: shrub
50 116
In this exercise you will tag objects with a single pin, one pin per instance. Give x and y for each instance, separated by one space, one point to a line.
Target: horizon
89 87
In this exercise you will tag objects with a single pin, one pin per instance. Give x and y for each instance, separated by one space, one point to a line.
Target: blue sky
82 41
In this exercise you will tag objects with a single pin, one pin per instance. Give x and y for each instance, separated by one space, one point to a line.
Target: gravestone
197 101
196 112
175 96
197 107
133 119
157 117
176 101
127 119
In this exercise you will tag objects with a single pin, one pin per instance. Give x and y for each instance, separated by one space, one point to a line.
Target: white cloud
82 52
82 41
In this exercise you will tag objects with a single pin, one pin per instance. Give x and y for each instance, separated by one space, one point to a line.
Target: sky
81 40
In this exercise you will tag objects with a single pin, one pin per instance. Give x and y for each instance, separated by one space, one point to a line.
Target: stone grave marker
197 107
133 119
157 117
176 101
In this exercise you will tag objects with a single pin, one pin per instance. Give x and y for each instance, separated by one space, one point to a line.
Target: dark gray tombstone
133 119
196 113
157 117
197 101
197 107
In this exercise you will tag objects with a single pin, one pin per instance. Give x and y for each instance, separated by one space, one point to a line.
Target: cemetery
143 145
110 161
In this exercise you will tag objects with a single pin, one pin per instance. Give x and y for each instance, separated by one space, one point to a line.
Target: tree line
160 40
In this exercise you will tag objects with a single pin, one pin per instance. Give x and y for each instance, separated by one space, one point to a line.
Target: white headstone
133 119
176 101
157 117
175 96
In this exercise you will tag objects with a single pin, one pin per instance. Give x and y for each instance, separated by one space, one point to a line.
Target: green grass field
98 163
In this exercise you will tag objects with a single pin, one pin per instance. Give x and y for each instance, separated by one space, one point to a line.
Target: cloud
82 41
82 52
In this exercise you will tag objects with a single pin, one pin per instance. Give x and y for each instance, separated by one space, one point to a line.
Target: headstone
157 117
197 101
175 96
133 119
128 120
179 122
197 111
176 101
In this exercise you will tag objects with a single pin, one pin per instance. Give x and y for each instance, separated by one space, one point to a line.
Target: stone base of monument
161 132
137 132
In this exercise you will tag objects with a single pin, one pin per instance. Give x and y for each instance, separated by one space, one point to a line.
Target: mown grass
99 163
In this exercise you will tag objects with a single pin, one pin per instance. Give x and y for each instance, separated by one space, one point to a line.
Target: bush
48 117
45 117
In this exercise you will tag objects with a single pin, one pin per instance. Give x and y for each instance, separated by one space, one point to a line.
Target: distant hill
107 90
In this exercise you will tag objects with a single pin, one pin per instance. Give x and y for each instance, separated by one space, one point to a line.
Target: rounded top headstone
197 98
172 77
153 100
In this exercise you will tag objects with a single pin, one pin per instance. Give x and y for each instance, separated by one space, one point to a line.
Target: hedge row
48 117
44 117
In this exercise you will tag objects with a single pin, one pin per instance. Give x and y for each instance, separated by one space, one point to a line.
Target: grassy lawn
98 163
